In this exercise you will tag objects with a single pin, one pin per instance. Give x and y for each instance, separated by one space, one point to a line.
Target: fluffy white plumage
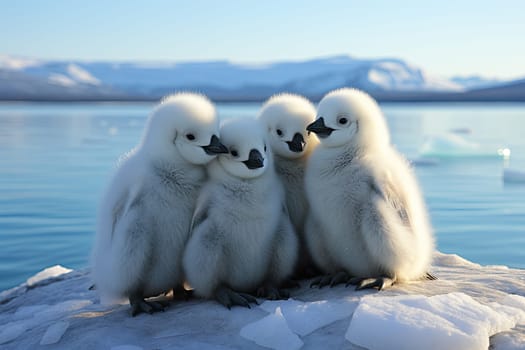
286 117
145 214
241 236
367 214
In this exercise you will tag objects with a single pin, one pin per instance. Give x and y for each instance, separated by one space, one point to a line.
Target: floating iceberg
453 145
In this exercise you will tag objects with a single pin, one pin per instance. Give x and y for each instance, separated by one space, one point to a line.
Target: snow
61 79
469 306
447 321
16 63
315 76
53 271
81 75
513 176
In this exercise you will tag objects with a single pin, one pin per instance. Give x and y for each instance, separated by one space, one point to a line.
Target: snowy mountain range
23 78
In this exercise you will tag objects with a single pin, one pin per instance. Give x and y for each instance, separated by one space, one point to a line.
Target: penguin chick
242 237
367 217
145 215
286 117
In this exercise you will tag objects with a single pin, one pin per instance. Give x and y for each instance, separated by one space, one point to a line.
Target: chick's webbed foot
139 305
430 276
229 298
330 279
182 293
380 283
272 293
291 284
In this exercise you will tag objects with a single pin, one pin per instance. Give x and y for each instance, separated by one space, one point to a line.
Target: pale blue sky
446 38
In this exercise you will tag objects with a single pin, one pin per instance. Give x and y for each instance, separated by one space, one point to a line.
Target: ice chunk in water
453 145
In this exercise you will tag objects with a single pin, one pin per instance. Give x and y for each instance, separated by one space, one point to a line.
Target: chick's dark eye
343 121
279 132
190 137
265 148
234 153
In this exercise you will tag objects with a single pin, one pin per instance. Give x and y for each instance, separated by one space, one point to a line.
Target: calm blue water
56 158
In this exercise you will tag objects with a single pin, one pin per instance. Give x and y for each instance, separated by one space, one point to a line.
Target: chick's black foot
430 277
380 283
139 305
306 272
291 284
229 298
272 293
180 292
330 279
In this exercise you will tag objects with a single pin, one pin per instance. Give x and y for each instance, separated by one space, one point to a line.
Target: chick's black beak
297 144
215 147
320 128
255 160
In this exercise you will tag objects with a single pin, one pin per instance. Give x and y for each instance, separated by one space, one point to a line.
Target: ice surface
126 347
29 317
54 333
447 321
12 331
272 332
29 311
514 300
513 176
509 341
52 271
469 300
304 318
56 311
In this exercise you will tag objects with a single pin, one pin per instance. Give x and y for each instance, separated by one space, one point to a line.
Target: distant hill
387 79
512 91
476 81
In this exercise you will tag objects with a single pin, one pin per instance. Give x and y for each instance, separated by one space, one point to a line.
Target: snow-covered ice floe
513 176
454 145
468 307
